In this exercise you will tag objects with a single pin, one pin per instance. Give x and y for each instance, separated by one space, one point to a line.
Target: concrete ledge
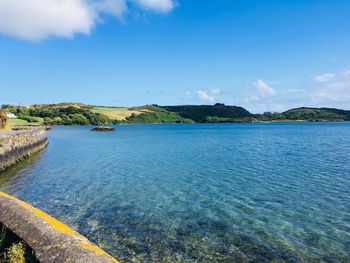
52 241
16 145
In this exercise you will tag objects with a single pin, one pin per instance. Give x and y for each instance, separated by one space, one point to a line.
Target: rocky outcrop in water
103 129
16 145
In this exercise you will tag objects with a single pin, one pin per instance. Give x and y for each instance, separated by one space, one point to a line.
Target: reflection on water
199 193
10 174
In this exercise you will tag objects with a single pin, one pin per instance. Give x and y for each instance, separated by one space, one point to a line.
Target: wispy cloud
346 73
162 6
264 89
261 96
324 77
324 90
35 20
208 95
335 89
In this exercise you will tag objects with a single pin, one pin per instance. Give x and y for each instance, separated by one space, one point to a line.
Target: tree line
58 114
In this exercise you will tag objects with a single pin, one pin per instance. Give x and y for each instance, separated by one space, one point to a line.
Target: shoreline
174 123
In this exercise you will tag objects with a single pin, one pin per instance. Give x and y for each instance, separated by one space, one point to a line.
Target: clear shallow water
198 193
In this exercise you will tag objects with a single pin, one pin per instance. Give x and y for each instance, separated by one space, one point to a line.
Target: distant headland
83 114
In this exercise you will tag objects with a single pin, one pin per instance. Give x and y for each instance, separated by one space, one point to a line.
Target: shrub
3 119
15 254
29 118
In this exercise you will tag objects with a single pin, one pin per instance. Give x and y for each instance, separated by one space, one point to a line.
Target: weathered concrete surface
16 145
52 241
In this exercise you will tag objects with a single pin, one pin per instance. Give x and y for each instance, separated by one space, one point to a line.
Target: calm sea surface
198 193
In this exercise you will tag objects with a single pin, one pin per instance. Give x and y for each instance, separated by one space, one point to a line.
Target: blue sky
264 55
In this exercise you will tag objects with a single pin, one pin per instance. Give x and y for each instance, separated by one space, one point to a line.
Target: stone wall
16 145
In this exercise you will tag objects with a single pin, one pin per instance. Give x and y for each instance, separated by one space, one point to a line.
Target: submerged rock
103 128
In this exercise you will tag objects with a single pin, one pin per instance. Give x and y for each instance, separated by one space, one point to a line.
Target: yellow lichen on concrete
96 250
62 228
59 227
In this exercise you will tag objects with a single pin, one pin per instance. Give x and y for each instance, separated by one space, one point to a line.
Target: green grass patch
118 113
20 122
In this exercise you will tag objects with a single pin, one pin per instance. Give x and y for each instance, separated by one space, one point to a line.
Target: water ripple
199 193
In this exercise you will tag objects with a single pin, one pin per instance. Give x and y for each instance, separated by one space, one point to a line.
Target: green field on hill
117 113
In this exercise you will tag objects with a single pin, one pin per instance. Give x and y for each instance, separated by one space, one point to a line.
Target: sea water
198 192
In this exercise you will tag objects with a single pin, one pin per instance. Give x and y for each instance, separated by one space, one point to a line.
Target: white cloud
112 7
215 91
261 97
326 96
346 73
324 77
163 6
264 89
35 20
328 90
208 95
204 95
335 91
